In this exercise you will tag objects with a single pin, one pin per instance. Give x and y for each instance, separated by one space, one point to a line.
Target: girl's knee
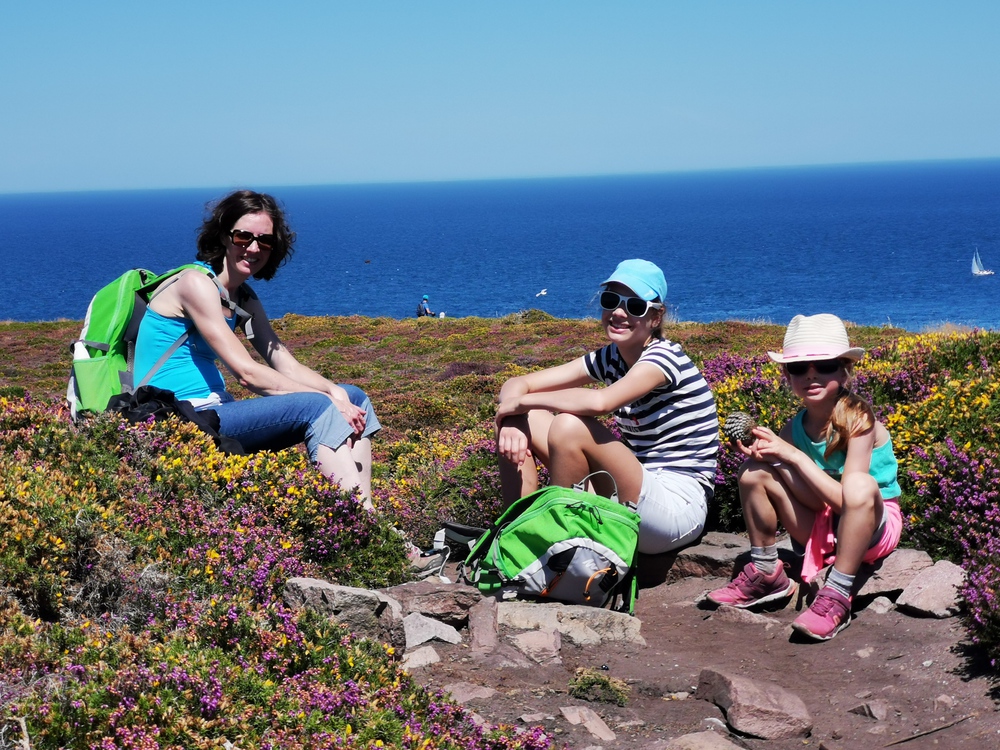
860 491
754 474
355 395
568 429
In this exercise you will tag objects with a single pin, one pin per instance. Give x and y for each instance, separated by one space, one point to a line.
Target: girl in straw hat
665 461
829 477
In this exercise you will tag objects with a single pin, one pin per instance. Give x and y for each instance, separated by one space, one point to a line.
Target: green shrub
598 687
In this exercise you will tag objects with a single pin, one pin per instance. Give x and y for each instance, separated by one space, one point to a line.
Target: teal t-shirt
883 467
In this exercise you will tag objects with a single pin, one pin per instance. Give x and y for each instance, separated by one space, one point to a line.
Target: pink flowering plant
141 570
140 598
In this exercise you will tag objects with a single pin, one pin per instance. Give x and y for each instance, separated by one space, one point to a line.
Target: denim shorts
277 422
672 507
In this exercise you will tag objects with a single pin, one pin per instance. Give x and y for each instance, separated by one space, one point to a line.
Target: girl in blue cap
664 462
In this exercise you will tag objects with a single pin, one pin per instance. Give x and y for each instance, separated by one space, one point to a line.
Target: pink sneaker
829 614
752 587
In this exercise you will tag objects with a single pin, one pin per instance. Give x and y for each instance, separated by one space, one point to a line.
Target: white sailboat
977 266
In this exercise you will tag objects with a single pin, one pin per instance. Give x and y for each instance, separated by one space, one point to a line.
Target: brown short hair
224 214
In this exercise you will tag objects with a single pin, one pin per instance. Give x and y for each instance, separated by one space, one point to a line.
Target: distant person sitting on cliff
665 462
424 307
829 477
246 235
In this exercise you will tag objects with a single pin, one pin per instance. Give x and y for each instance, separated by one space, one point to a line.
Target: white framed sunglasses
634 306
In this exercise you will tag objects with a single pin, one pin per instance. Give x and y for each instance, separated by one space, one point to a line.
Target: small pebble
945 700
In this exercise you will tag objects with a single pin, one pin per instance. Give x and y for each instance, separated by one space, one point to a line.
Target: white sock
840 582
765 559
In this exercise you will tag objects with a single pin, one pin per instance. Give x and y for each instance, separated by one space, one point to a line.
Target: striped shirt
673 427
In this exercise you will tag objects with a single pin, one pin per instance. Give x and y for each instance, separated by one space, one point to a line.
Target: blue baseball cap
426 297
642 277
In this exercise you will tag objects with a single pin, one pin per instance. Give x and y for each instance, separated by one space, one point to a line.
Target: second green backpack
561 544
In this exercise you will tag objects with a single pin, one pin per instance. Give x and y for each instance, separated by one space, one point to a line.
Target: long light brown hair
851 416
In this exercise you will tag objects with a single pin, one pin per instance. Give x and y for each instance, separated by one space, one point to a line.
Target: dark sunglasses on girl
823 367
243 238
634 306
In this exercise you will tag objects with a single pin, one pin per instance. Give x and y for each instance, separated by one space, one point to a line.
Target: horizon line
523 178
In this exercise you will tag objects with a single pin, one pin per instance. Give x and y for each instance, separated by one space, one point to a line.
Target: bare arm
513 443
558 389
267 343
793 464
570 375
859 453
196 297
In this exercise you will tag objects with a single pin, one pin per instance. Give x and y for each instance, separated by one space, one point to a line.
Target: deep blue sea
875 244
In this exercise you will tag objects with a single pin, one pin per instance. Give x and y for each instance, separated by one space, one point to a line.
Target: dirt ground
930 679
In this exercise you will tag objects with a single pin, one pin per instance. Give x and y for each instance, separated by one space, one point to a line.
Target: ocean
888 244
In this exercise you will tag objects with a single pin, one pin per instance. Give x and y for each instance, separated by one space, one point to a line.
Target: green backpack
560 544
103 355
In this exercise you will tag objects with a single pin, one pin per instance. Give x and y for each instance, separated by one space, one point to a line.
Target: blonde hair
851 416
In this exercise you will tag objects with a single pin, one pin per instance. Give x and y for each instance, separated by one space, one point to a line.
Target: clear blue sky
108 95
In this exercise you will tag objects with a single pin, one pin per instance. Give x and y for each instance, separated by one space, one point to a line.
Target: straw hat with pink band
811 338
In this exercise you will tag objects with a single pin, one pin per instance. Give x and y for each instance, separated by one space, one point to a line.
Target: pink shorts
822 543
890 535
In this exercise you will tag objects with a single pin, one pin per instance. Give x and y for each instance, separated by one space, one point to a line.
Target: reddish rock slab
754 707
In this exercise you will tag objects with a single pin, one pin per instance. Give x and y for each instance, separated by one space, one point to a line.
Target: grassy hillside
141 570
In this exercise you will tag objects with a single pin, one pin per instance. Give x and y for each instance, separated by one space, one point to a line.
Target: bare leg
340 466
579 446
860 515
361 452
516 481
768 495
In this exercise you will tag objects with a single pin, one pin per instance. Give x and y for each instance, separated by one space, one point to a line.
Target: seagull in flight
542 293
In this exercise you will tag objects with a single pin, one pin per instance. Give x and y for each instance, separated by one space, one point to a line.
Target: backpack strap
582 486
92 344
163 359
243 319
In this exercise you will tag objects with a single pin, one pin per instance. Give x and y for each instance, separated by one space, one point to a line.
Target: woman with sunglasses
664 463
829 477
246 236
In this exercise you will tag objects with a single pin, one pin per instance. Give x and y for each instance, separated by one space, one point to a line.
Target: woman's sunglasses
634 306
822 367
243 238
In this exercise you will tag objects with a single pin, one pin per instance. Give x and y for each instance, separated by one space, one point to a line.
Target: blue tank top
883 467
190 372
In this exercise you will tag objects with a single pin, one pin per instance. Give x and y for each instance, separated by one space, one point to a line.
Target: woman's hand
354 415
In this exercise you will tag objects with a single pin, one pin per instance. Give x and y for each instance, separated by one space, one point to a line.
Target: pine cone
738 426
